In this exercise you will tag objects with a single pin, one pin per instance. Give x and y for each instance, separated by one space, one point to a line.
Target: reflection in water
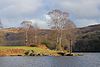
88 60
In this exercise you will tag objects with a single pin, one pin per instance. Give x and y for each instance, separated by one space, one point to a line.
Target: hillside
88 39
92 28
11 36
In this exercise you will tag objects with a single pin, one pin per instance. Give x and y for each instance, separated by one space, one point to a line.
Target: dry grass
20 50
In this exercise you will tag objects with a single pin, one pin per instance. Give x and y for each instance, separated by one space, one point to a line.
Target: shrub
46 42
33 45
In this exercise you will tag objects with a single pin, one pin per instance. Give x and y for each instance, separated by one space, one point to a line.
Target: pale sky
82 12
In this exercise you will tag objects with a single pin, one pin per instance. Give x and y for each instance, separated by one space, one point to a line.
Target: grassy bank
31 51
20 51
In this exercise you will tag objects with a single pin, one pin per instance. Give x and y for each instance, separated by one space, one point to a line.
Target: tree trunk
70 50
60 44
26 38
60 41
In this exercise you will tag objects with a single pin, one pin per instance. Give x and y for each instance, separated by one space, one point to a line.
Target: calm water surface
88 60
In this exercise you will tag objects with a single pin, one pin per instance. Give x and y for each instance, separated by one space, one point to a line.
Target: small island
31 51
57 40
49 33
62 38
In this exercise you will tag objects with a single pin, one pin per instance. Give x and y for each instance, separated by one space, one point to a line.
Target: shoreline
31 51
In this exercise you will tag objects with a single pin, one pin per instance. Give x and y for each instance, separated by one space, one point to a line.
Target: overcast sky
82 12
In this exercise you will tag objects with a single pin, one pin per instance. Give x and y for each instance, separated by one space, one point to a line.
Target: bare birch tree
58 21
1 25
36 32
62 25
31 33
70 34
26 26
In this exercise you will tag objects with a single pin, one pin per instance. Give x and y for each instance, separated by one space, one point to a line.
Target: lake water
88 60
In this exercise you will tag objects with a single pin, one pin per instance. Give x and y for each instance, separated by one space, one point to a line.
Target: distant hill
92 28
11 36
16 36
88 39
12 30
